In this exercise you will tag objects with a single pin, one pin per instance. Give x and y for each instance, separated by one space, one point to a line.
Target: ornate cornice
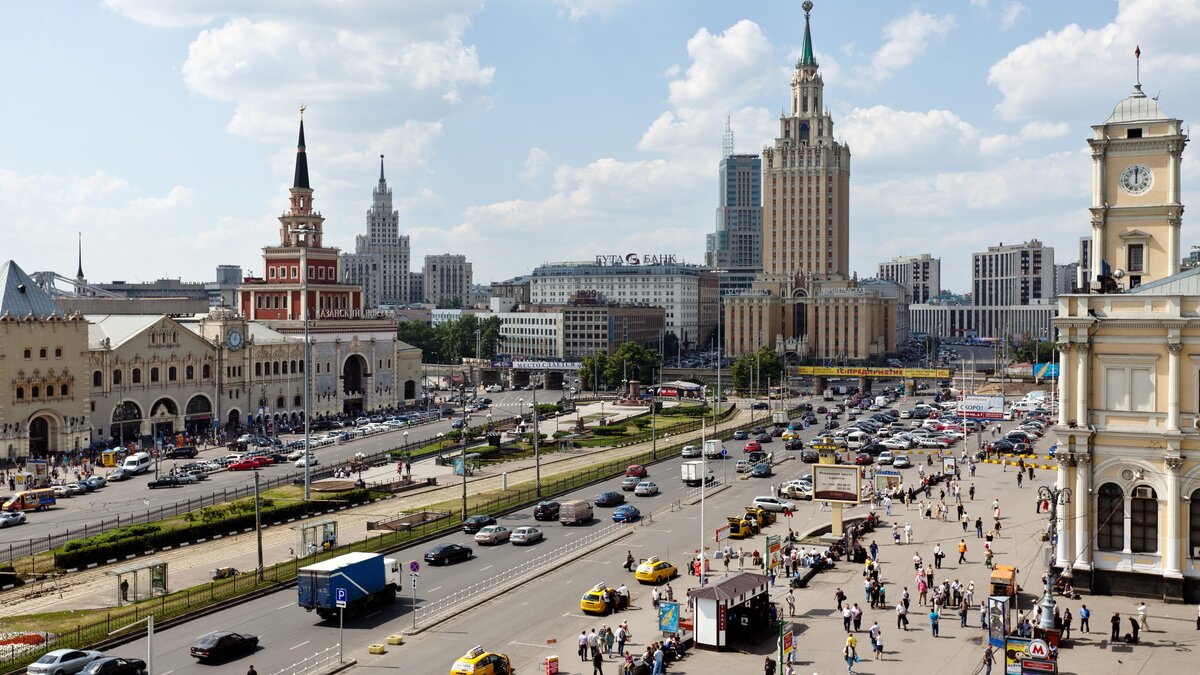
1173 463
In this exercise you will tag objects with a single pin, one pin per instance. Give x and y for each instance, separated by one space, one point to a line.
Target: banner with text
850 371
980 407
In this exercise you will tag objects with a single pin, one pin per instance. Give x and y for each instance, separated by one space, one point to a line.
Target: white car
493 534
63 661
309 460
901 462
645 489
773 504
691 451
525 535
885 457
897 443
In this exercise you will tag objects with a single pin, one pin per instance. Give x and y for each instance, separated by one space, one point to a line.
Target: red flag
1137 52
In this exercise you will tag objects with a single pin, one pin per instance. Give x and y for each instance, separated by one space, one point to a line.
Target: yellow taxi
655 571
788 435
593 601
480 662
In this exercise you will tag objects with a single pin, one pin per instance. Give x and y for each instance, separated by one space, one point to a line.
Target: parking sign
340 597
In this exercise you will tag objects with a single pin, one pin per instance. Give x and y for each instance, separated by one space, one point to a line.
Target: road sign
1038 649
341 595
1038 666
340 604
724 452
414 579
414 567
788 642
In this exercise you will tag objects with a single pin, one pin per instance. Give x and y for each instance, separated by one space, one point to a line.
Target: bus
31 500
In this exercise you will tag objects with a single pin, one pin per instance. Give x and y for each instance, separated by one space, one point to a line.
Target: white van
1026 406
139 462
857 439
494 388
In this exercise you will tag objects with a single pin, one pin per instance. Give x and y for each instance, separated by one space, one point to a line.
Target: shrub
609 431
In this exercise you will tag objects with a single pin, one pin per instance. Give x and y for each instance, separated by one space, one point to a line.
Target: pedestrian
901 617
847 617
989 657
769 666
839 597
594 643
1019 477
583 646
850 652
933 621
622 636
1067 619
609 639
1116 626
979 528
1085 614
597 664
966 522
856 613
1134 628
874 631
874 548
1141 615
963 608
908 533
972 490
791 601
937 556
252 671
879 646
658 662
922 592
962 551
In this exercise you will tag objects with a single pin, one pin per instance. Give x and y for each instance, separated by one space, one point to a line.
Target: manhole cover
814 613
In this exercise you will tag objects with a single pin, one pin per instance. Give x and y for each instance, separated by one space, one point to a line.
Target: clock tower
1136 213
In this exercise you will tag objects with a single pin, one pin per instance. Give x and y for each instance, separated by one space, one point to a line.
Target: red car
636 470
863 459
263 460
752 446
243 465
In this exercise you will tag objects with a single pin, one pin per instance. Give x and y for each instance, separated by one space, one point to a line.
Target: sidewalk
193 565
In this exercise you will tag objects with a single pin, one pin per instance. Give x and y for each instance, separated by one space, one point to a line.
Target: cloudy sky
520 132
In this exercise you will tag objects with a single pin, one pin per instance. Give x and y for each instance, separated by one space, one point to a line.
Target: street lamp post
717 401
463 466
359 460
1055 496
537 456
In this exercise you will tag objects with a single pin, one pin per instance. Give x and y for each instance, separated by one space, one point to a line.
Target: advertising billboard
980 407
887 480
836 483
844 371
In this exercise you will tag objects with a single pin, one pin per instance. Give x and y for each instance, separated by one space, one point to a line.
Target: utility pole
258 524
537 457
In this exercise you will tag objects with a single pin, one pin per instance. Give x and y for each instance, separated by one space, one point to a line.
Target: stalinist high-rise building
806 302
380 262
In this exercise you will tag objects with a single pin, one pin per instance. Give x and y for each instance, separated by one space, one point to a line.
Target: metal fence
515 574
315 663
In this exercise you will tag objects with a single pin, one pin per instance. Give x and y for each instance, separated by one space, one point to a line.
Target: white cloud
578 9
1011 12
883 138
905 39
1044 130
982 4
535 165
1079 73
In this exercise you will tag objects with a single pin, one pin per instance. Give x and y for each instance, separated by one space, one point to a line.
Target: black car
763 438
793 444
164 481
759 405
609 499
1001 446
222 645
546 511
181 452
809 456
476 523
756 457
115 665
444 554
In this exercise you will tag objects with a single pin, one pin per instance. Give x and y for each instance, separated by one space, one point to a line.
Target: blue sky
525 131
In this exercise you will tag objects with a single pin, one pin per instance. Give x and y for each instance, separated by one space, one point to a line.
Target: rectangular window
1129 388
1135 258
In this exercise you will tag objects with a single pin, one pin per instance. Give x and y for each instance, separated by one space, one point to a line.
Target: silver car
493 534
525 535
11 518
645 489
63 662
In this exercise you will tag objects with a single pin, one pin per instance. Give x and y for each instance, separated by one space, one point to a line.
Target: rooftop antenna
727 139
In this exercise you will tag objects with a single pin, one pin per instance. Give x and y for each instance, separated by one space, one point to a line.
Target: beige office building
1128 437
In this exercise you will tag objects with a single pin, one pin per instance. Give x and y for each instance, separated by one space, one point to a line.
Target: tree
490 339
631 361
418 334
670 344
756 368
450 303
593 365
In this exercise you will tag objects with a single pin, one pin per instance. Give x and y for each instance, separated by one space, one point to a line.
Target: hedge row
138 539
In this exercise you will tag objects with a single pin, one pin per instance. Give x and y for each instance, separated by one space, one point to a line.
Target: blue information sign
668 617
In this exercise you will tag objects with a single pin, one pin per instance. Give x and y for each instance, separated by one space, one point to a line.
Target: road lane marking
285 606
168 672
486 568
435 588
527 644
578 616
299 645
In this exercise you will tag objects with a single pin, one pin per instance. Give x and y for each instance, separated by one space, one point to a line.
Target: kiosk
734 610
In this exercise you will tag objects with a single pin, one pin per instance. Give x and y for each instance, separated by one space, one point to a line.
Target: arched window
283 365
298 401
1194 524
42 353
58 353
274 367
1143 512
189 372
49 391
206 371
172 374
20 393
154 374
137 375
62 390
28 353
257 369
279 403
35 392
293 367
116 377
1110 518
97 378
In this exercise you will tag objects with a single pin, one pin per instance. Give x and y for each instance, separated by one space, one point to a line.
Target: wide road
288 633
128 498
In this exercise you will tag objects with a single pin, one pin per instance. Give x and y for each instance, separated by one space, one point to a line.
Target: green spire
806 56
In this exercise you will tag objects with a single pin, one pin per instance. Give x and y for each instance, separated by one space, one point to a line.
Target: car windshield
48 658
209 641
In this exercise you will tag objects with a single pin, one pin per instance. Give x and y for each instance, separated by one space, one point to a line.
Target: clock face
235 339
1136 179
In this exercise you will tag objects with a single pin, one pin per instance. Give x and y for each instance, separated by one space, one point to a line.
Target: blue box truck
365 579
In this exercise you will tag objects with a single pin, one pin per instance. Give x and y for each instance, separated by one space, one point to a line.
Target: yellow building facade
1128 421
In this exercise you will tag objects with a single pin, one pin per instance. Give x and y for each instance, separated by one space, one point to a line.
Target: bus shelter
316 536
140 581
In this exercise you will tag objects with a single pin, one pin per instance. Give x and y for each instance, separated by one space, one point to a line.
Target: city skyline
169 145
